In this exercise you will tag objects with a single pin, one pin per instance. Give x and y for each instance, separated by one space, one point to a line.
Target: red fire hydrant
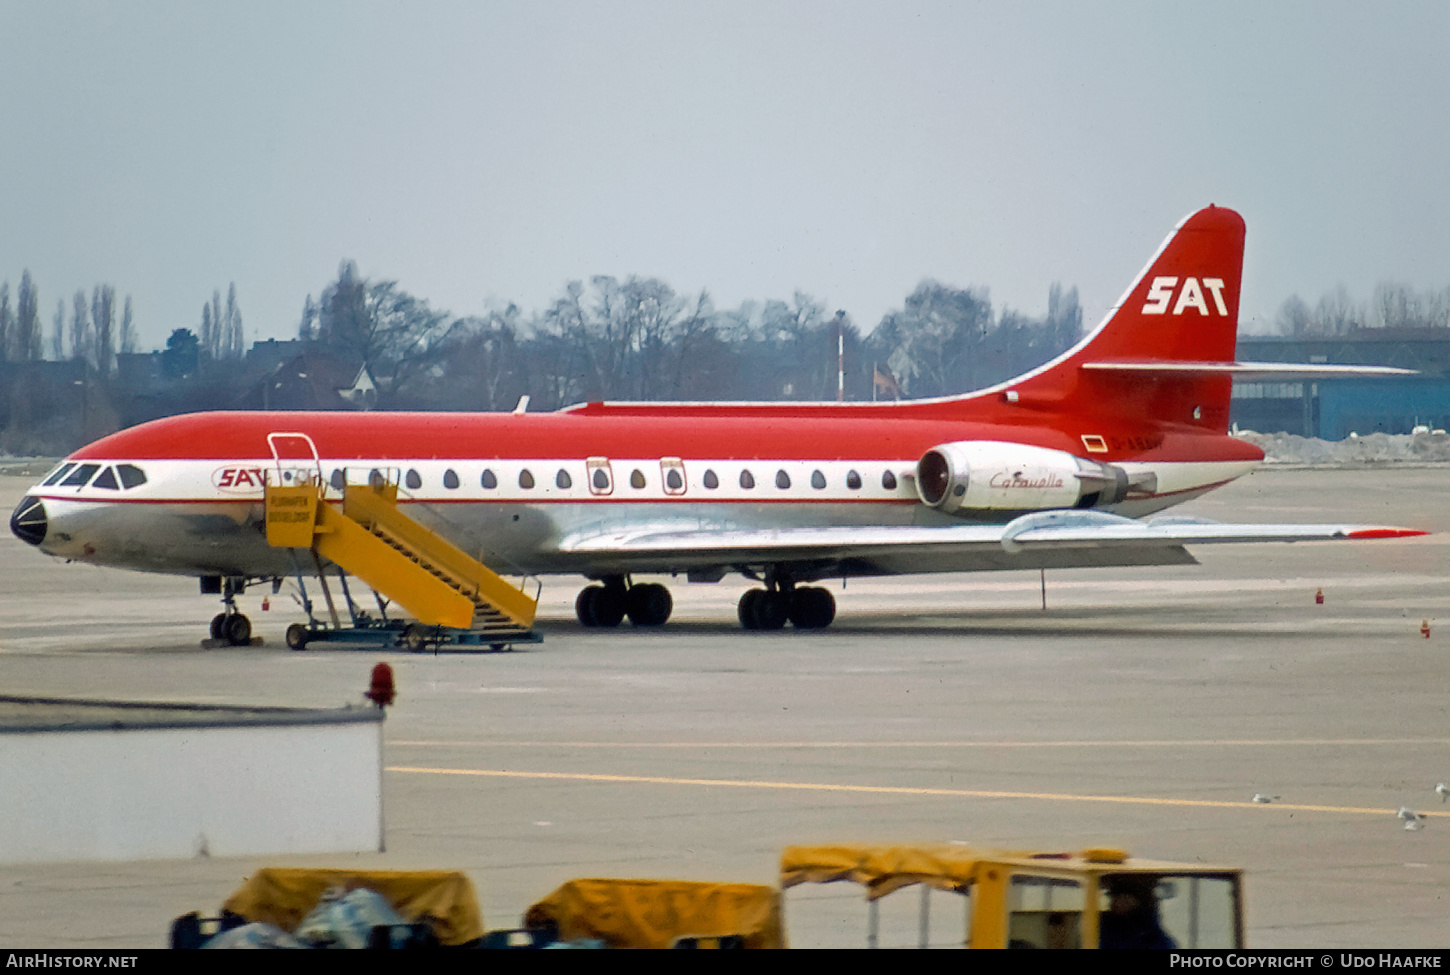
381 690
1319 597
1425 629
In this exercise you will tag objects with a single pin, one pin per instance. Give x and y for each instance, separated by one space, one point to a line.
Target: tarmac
1143 709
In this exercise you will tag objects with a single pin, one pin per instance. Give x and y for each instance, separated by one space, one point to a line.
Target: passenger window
818 480
711 481
747 480
782 480
107 480
81 475
338 480
636 480
673 481
450 479
131 475
488 480
60 472
888 481
563 480
853 481
601 479
414 480
526 480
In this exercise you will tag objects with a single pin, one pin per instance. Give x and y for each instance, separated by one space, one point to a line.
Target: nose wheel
234 628
231 626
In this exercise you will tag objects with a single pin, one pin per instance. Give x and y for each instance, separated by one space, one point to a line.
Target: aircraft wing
1047 539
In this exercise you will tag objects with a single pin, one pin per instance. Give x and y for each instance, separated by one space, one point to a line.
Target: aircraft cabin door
295 458
672 474
601 477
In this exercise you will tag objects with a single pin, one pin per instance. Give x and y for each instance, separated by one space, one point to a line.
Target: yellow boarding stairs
430 577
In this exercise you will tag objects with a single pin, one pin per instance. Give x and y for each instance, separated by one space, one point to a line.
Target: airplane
1065 466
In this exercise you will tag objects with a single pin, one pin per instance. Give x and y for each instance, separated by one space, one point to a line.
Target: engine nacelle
987 474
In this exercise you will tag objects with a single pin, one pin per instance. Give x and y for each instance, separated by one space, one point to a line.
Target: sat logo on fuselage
238 480
1190 296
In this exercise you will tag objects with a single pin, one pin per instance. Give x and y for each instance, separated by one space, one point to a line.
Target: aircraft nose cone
29 521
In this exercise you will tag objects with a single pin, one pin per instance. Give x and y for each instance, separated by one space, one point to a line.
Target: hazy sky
485 152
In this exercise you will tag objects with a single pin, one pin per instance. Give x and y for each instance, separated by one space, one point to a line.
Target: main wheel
762 609
584 605
600 605
297 635
812 608
217 622
746 608
238 630
649 604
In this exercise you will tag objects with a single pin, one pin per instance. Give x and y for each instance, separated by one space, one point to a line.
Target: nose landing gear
230 626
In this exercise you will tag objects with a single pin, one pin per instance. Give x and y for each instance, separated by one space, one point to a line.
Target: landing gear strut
645 603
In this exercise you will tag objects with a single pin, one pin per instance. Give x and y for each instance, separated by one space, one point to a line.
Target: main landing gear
645 603
806 607
649 604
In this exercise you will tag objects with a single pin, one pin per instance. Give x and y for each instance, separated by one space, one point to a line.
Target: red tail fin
1183 309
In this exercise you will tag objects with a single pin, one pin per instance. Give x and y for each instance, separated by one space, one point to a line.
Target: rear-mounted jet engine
977 475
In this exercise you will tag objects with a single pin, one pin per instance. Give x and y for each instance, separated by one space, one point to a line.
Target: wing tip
1385 533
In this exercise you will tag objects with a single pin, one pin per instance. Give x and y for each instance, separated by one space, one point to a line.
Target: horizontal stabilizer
1246 371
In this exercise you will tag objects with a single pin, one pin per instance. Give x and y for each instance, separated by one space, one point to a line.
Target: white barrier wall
220 784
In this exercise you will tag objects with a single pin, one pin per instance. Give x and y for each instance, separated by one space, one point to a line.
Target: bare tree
57 331
128 328
103 319
393 335
28 331
7 322
234 343
80 327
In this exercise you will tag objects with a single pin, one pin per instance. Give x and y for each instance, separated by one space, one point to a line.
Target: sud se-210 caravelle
1060 467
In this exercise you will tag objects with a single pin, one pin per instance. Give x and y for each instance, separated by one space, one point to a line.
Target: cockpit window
81 475
131 475
107 480
59 473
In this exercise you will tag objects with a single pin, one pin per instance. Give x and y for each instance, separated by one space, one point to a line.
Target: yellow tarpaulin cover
284 896
883 869
653 913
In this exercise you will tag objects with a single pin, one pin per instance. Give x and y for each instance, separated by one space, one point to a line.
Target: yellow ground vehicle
1027 899
1011 899
661 914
